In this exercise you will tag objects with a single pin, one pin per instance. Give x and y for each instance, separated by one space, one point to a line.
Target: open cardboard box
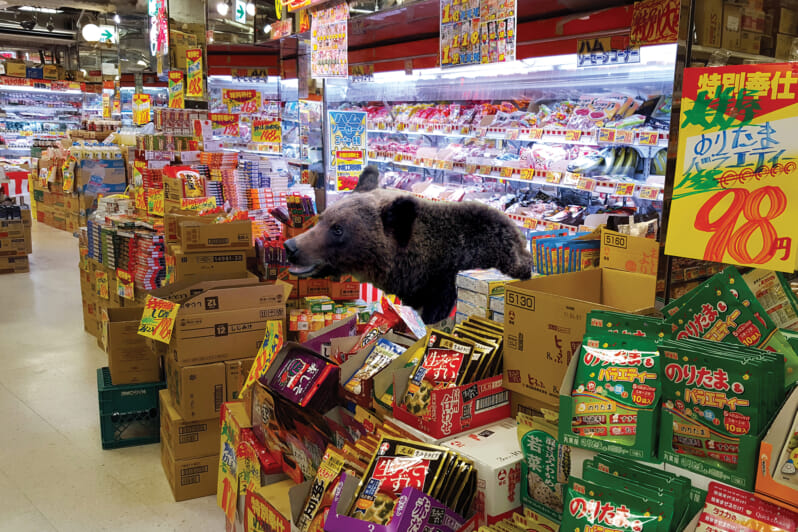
544 323
321 396
453 410
767 483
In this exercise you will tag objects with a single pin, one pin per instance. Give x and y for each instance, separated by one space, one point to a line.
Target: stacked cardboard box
15 240
218 330
476 289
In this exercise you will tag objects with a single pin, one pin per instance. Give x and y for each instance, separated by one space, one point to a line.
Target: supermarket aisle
54 474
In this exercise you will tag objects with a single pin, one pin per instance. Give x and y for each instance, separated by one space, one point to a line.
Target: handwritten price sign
267 131
736 186
176 99
241 100
194 88
155 205
224 124
101 284
271 345
124 284
158 319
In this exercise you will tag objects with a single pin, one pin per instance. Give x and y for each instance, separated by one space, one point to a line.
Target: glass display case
32 110
545 140
160 98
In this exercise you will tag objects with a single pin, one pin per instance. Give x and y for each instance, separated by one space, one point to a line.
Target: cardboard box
750 42
767 477
753 20
187 439
13 247
196 236
345 290
454 410
101 176
236 372
497 457
13 228
275 506
786 21
14 264
130 359
195 266
49 71
709 23
627 253
732 26
486 282
545 322
225 323
197 391
15 68
784 46
189 478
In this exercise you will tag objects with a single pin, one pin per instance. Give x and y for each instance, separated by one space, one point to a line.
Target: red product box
454 410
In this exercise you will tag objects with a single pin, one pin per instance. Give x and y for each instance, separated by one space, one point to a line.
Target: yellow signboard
158 319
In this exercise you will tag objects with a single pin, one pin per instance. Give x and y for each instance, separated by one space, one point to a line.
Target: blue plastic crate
129 413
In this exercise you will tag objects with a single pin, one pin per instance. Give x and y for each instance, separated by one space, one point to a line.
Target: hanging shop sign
176 92
158 11
348 142
240 12
224 124
141 108
655 22
329 43
601 51
282 28
241 100
158 319
361 73
735 195
107 96
194 87
477 32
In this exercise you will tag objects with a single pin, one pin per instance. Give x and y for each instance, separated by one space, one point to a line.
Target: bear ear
369 180
398 217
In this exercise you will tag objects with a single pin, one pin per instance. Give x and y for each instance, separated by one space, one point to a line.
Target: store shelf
568 180
709 50
37 109
603 136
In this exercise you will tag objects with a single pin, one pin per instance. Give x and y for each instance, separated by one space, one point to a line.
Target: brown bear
407 246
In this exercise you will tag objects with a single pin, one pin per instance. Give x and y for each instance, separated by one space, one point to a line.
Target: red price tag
649 193
585 183
535 134
624 136
528 173
554 177
606 134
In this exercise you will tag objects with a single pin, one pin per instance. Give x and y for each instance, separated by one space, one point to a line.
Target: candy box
303 377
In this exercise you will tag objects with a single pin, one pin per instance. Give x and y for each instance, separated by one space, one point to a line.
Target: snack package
382 354
589 506
545 468
319 499
299 376
396 465
729 508
616 379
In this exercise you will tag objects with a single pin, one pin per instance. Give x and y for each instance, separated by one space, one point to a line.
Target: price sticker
471 169
513 134
465 130
481 132
485 169
506 171
552 226
624 189
448 165
606 134
648 138
649 193
573 135
535 134
447 128
554 177
624 136
587 184
530 223
528 173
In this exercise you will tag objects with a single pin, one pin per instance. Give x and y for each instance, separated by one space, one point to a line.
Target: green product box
645 445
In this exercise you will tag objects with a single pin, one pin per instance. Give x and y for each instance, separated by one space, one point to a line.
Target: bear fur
407 246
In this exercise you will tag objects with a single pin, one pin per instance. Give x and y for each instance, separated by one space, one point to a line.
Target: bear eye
337 230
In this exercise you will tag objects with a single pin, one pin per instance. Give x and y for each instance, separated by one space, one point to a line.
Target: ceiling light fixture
91 32
251 9
39 9
223 8
267 28
117 19
141 62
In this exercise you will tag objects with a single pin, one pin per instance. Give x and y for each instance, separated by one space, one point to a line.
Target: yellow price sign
155 201
573 135
198 204
101 284
269 347
158 319
528 173
624 189
124 284
554 177
506 171
624 136
648 138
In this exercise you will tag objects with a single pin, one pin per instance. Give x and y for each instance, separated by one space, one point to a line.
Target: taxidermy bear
407 246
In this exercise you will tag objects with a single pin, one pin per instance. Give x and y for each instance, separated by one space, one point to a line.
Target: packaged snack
396 465
545 468
381 355
729 508
616 379
589 506
314 510
299 376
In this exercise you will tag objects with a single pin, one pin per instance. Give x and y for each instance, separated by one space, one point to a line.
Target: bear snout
291 249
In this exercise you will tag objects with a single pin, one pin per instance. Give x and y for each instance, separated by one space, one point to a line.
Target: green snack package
790 359
545 467
773 292
591 507
610 322
616 379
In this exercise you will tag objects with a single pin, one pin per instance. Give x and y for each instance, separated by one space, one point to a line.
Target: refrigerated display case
31 110
160 98
547 141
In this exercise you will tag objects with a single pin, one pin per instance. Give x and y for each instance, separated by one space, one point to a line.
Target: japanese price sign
267 131
158 319
269 347
241 100
194 87
735 191
124 284
329 49
477 32
176 98
141 108
348 141
655 21
224 124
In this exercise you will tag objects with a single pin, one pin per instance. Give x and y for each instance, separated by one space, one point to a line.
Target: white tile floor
54 474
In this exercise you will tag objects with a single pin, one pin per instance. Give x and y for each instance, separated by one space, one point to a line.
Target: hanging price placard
241 100
267 131
155 205
158 319
194 88
124 284
176 98
141 108
101 284
735 194
224 124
